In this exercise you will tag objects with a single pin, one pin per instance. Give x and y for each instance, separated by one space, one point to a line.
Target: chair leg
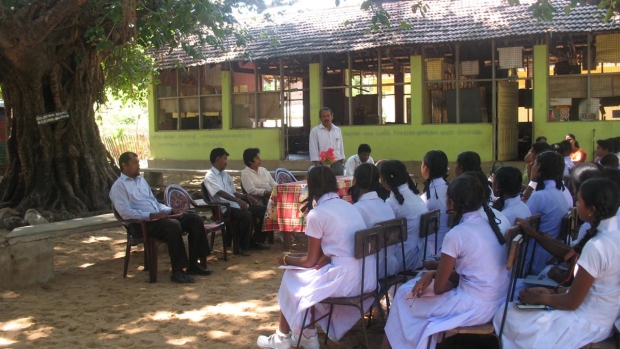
212 238
303 324
361 309
224 235
329 322
127 252
152 245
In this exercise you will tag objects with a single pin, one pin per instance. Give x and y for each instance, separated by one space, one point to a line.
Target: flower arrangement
327 157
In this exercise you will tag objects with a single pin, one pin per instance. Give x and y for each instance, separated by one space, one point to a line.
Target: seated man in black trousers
221 188
133 199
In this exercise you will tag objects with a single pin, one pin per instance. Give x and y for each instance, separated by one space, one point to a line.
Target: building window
368 87
190 99
584 77
263 98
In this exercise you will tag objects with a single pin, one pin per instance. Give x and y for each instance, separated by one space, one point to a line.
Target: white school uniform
568 165
515 208
335 222
374 210
482 287
583 229
552 206
411 209
438 190
592 321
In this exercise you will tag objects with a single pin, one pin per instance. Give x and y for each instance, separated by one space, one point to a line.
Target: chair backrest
569 225
394 232
534 221
514 255
177 197
117 215
368 243
284 176
204 192
429 223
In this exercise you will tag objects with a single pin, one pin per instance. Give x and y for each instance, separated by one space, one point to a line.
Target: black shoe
198 270
181 277
258 246
244 253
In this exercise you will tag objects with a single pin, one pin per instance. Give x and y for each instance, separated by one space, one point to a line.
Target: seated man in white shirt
325 136
256 180
362 157
221 188
133 199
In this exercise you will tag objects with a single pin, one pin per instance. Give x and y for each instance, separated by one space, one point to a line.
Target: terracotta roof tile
327 31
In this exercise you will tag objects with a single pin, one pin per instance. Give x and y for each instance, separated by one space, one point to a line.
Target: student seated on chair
473 257
373 209
507 187
331 228
585 312
362 157
221 188
434 170
133 199
405 203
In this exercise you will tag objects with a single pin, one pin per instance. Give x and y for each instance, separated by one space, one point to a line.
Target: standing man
133 199
325 136
362 157
221 188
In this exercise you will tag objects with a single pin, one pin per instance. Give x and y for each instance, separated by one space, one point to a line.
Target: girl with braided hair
473 257
329 267
585 312
549 201
434 170
405 203
507 187
373 209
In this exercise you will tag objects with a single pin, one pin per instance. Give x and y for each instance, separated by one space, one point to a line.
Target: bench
155 176
27 253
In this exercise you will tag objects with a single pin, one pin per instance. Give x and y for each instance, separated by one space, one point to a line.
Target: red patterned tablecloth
283 208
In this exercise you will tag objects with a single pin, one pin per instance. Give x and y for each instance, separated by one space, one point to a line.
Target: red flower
327 157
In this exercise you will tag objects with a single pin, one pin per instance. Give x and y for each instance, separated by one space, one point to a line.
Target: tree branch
49 20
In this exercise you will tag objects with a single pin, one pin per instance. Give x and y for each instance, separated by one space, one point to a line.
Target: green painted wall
540 89
315 93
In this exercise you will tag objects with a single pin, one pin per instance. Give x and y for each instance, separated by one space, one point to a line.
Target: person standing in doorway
325 136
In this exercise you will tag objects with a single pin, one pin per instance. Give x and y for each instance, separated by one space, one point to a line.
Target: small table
283 211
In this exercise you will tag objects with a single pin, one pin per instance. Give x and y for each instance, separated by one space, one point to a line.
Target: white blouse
257 182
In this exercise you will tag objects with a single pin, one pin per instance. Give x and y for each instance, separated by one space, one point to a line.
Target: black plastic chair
429 225
395 232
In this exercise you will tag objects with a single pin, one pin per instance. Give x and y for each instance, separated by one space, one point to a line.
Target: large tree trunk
61 165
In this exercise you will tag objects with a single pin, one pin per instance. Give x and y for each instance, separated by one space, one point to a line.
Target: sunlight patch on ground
9 295
261 274
94 239
162 315
15 325
86 265
181 341
6 341
119 255
41 333
218 334
190 296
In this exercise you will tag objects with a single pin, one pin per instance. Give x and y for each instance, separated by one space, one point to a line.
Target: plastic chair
512 264
534 222
177 197
133 239
395 231
222 216
367 243
283 176
429 225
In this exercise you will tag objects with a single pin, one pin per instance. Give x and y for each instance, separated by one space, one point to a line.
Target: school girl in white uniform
585 312
482 277
405 203
331 227
507 186
374 210
434 170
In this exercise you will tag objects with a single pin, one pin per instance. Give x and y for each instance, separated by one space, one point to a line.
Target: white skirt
411 324
541 329
301 289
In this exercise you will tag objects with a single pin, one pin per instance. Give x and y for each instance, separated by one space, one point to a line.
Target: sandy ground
90 305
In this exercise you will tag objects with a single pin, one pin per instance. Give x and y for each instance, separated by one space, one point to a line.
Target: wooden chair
534 222
429 225
569 226
177 197
395 231
283 175
367 243
134 238
512 264
612 342
221 216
